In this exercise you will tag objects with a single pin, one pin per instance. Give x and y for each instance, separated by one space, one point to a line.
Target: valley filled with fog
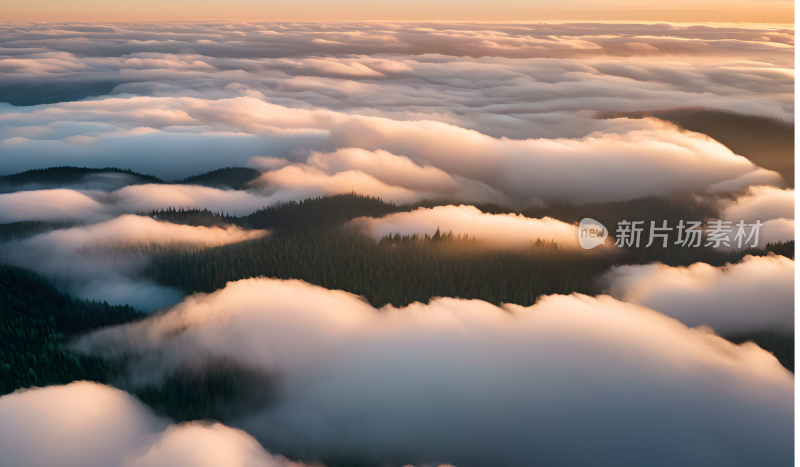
360 244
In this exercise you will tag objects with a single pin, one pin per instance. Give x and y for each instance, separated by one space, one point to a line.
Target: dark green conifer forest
35 322
68 175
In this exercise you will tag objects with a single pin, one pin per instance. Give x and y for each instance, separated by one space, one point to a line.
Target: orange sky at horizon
676 11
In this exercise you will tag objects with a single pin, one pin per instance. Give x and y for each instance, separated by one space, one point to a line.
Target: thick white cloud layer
443 161
759 203
499 230
771 206
653 158
483 112
762 203
756 294
91 261
500 77
86 424
573 379
50 205
378 173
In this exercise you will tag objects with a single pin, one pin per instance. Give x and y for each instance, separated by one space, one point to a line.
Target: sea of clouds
500 113
567 381
482 112
90 425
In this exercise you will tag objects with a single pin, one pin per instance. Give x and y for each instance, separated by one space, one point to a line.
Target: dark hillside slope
237 178
67 175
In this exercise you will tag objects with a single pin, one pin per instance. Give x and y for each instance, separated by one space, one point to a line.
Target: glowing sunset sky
768 11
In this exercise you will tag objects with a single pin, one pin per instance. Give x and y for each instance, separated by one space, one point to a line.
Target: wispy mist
101 261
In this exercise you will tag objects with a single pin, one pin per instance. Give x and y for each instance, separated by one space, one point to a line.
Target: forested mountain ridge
399 273
310 242
237 178
66 175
